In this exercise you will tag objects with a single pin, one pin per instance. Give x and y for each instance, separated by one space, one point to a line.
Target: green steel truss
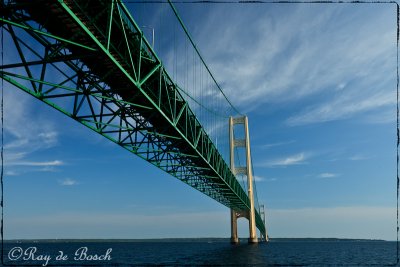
90 60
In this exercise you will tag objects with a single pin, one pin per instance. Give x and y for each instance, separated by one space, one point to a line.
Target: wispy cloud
385 116
267 146
289 160
263 179
342 108
26 133
327 175
49 139
359 157
285 66
11 173
258 178
38 163
68 182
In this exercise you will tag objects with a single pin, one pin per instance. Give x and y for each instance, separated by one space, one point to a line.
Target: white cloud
258 178
263 179
343 107
37 163
387 116
290 160
49 139
26 132
68 182
327 175
16 143
267 146
342 54
11 173
47 169
358 157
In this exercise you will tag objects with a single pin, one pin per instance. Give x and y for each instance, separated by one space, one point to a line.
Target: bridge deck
108 55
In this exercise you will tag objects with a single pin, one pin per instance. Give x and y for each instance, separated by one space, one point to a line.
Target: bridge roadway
107 48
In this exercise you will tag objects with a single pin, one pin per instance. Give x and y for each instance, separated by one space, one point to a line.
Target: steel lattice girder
114 83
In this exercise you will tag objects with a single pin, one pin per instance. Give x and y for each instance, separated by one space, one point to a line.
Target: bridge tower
247 170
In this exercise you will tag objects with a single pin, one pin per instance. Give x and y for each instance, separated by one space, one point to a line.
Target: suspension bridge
90 60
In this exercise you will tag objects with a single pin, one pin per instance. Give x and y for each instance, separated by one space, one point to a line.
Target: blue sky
318 83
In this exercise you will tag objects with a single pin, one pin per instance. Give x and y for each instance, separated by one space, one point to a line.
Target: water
220 252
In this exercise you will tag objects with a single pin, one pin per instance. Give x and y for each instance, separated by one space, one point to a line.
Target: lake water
174 253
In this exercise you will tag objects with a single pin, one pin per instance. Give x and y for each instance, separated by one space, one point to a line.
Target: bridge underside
89 60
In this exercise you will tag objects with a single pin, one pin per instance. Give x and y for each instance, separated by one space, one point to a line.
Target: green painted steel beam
148 119
5 21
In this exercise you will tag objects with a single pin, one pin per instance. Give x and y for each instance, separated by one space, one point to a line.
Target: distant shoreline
202 239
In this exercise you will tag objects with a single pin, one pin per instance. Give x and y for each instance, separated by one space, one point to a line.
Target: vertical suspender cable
198 53
398 140
2 149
